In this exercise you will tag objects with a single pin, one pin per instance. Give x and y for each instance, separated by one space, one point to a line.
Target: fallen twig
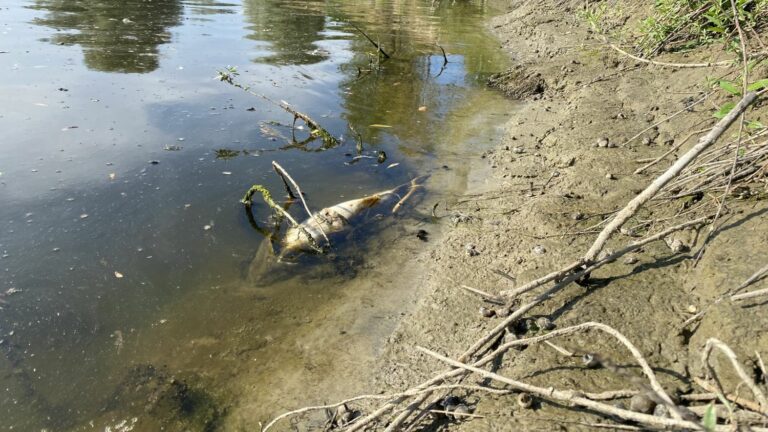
634 205
668 152
668 118
672 65
749 295
713 343
571 397
283 173
746 403
378 46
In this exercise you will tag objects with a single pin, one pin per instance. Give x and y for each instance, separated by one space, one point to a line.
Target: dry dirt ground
548 178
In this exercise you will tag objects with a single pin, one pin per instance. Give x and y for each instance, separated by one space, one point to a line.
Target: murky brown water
127 269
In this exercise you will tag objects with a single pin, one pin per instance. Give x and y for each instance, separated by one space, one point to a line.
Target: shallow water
129 266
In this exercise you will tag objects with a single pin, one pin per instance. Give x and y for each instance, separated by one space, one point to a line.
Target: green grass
678 25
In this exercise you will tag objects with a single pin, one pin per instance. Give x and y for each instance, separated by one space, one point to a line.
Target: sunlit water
132 293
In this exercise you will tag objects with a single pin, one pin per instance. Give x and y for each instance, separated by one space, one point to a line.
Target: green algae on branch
267 196
228 76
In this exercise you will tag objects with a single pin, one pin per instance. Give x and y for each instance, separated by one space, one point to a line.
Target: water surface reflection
131 279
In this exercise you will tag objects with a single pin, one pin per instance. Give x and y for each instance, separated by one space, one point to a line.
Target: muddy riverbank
566 162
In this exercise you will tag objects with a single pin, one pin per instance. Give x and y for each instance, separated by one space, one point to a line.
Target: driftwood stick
713 343
411 191
481 293
752 279
560 349
571 397
285 183
634 205
749 295
458 414
284 173
542 280
672 65
378 46
317 130
644 366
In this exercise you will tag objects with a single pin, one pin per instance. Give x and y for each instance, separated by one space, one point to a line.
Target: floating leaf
118 275
376 125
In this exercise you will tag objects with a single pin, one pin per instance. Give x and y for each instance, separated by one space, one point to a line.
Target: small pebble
544 323
647 141
692 309
676 245
642 403
518 150
525 400
610 176
578 216
590 361
602 142
539 250
488 313
460 412
471 250
661 411
630 260
504 312
422 235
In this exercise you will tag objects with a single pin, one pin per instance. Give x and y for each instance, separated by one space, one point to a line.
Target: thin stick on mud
752 279
669 152
745 403
381 397
672 65
284 173
733 296
634 205
568 270
378 46
750 295
745 80
481 293
668 118
571 397
713 343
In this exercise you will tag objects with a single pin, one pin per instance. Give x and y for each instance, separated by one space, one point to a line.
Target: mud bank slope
550 183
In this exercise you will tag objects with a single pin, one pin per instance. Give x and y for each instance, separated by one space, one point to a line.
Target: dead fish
339 218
